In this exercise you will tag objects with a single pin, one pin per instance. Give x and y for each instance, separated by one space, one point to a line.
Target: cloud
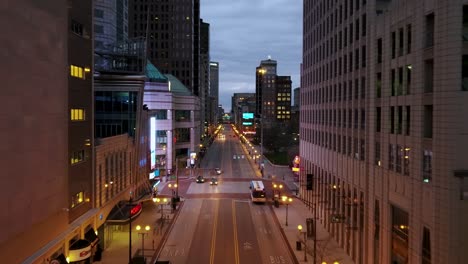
244 32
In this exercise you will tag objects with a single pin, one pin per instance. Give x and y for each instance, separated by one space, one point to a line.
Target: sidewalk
118 249
327 248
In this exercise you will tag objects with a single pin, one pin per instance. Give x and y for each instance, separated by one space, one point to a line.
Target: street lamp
160 201
299 227
173 187
130 230
143 234
287 201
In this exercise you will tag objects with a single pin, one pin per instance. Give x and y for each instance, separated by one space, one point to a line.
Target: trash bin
298 245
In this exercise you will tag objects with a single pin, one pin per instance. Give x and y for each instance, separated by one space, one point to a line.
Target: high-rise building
204 75
283 98
214 91
383 127
265 90
296 94
110 23
173 35
241 102
273 93
48 167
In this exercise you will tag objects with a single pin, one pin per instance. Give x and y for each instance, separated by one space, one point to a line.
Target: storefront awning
122 212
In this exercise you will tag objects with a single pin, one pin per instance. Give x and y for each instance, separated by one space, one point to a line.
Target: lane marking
213 238
236 242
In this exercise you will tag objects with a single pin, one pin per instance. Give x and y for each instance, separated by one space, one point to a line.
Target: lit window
77 114
77 72
77 199
77 156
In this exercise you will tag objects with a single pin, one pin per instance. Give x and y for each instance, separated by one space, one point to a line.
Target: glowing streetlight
143 234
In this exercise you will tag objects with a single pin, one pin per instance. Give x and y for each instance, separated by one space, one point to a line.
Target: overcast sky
244 32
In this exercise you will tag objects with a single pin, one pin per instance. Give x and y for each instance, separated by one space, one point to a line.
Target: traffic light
309 185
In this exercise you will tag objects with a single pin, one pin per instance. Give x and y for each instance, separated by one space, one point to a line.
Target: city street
219 224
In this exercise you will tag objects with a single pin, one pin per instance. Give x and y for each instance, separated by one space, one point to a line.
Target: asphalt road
219 224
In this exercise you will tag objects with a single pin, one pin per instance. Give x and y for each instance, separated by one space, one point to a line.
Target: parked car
218 171
200 179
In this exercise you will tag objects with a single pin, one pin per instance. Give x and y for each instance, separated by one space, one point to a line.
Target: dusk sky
244 32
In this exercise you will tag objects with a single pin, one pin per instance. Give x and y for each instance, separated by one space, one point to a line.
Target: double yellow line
213 237
236 241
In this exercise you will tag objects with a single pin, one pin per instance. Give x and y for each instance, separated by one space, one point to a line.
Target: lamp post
287 201
299 227
143 234
173 188
130 231
160 201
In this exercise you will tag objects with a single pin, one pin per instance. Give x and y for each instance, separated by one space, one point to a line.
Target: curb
290 249
166 235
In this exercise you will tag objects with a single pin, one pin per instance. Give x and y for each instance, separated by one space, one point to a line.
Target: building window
378 119
391 157
379 50
77 114
77 72
377 154
393 80
400 41
182 135
378 85
98 29
428 121
77 156
77 199
399 87
182 115
408 120
465 72
77 27
408 78
160 114
393 37
427 166
398 155
429 40
406 160
99 13
400 232
376 232
392 119
362 153
408 38
426 246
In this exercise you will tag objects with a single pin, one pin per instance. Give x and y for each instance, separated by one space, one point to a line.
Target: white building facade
174 116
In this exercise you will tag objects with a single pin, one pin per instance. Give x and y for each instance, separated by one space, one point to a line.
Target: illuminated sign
193 156
79 254
247 123
153 142
247 115
295 169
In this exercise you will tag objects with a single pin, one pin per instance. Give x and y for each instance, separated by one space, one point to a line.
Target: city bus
257 192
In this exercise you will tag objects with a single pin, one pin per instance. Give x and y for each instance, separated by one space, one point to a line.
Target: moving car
218 171
214 181
200 179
